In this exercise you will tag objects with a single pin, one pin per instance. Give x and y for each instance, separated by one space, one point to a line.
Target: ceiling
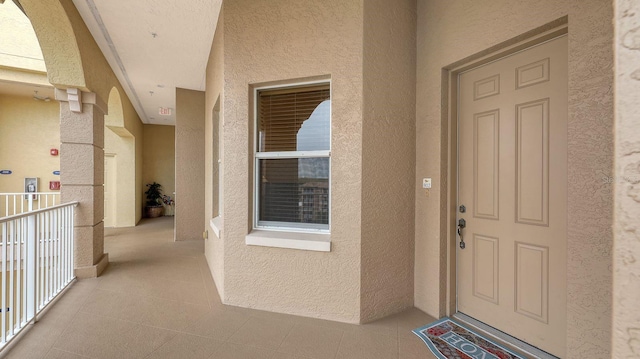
154 46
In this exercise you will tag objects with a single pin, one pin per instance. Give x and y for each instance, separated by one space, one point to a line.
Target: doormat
449 340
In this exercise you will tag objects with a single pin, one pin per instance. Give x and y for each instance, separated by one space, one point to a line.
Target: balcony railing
16 203
36 264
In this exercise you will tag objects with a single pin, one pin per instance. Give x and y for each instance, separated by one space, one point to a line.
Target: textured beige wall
28 130
626 180
388 157
122 145
190 124
214 245
120 142
278 40
159 157
452 31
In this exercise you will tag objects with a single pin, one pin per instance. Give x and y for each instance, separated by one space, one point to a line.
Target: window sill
320 242
216 225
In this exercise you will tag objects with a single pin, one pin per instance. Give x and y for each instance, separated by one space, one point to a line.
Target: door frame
450 139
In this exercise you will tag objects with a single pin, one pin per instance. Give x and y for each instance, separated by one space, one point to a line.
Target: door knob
461 224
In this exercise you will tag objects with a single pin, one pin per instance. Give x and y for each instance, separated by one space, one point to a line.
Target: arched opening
66 45
119 166
25 93
58 42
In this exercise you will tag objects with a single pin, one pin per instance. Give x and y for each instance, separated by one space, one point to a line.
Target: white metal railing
36 264
16 203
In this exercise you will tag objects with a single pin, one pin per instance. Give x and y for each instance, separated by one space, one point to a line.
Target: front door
512 182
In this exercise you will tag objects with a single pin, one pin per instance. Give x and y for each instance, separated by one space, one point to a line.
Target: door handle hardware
461 224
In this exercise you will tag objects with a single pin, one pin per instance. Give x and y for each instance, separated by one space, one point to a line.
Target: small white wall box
31 185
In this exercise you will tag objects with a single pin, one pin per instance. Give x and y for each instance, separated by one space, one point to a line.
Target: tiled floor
157 300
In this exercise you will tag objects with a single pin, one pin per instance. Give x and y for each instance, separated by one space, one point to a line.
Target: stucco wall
452 31
214 245
119 142
190 107
28 130
57 40
388 157
73 59
20 48
278 40
159 157
626 322
123 147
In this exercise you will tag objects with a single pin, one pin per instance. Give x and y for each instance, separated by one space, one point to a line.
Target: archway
66 45
119 149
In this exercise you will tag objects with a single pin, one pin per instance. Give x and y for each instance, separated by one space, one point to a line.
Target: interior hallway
157 299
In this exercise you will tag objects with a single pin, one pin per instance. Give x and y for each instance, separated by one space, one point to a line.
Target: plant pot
154 211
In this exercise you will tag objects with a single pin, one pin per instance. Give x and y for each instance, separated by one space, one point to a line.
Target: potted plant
168 204
153 207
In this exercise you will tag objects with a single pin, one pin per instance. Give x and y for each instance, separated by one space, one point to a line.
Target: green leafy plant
154 194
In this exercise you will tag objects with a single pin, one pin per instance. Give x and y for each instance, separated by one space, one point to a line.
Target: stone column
82 175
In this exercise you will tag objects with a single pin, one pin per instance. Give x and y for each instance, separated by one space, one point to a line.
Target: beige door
512 179
109 190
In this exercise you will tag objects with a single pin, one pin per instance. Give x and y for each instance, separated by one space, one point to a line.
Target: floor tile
238 351
262 332
103 337
219 324
367 345
187 346
312 341
59 354
280 355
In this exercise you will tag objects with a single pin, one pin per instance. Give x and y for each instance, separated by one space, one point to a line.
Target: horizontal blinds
294 190
291 120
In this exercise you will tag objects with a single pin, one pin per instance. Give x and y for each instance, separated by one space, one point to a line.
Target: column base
94 270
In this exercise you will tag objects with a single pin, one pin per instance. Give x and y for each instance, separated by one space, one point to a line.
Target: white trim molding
320 242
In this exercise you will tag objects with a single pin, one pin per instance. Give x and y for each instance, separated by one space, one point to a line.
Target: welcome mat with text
449 340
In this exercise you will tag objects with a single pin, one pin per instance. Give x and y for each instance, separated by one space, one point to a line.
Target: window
292 164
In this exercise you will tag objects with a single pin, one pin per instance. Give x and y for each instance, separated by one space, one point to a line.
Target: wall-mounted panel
532 167
486 139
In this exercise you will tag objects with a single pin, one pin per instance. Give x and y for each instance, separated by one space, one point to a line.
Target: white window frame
257 156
